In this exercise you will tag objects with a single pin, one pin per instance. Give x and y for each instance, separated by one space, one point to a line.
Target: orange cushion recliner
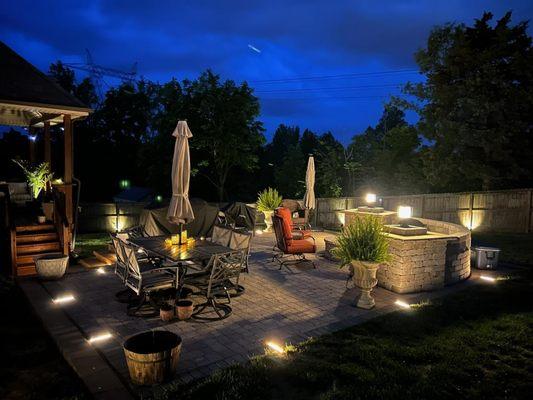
289 241
286 215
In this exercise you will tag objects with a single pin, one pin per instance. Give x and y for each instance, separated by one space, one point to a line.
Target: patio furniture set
155 272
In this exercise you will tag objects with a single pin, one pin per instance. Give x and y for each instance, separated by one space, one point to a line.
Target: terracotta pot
184 309
166 313
364 277
268 220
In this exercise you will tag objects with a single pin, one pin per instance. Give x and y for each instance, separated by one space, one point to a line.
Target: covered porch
32 100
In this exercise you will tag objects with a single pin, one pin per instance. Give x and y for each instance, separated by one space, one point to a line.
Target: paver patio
288 306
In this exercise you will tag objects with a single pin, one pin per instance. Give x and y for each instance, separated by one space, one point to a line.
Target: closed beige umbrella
180 210
309 197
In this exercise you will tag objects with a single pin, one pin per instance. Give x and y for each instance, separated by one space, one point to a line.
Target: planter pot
364 277
51 266
184 309
268 220
152 357
41 219
48 210
166 313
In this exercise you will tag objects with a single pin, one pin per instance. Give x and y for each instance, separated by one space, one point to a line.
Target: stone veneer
427 262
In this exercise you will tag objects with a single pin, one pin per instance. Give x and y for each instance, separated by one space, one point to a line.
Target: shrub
38 178
268 200
362 240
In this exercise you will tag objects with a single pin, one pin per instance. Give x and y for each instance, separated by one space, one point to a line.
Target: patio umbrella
180 210
309 197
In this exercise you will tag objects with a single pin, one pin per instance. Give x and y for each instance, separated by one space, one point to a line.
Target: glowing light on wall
487 278
275 347
63 299
100 338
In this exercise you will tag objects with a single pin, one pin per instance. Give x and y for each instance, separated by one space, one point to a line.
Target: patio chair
290 247
241 241
136 231
221 235
121 269
224 275
144 277
297 231
301 221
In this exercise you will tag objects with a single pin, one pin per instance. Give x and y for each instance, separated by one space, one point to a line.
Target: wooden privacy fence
496 211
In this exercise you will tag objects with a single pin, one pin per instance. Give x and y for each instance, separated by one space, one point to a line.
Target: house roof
29 97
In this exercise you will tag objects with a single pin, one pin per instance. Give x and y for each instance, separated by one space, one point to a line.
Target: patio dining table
200 250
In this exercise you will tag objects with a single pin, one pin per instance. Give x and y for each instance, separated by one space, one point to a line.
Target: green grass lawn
475 344
31 366
516 248
86 243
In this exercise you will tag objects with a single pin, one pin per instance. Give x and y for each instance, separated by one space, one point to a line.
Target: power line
398 85
337 76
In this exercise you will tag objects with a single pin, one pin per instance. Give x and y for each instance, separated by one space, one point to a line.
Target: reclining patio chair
224 275
289 246
136 231
144 277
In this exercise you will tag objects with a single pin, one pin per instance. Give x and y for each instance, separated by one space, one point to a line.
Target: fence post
471 209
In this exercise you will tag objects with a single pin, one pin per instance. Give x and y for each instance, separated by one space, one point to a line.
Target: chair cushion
301 234
299 246
285 215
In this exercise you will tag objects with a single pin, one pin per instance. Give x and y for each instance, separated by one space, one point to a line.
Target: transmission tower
97 73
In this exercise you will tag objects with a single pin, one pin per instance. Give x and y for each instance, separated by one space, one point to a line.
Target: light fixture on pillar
404 213
370 199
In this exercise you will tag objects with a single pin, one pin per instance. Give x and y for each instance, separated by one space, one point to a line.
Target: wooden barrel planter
152 356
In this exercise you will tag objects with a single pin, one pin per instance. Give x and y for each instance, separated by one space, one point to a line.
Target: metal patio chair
221 235
144 277
224 276
241 241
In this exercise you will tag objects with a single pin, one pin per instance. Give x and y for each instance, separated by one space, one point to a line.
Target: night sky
355 53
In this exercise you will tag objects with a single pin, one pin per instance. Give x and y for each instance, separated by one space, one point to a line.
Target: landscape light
100 271
405 212
124 184
99 338
258 231
159 198
275 347
370 198
63 299
402 304
487 278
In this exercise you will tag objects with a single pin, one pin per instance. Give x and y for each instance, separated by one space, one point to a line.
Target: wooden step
106 257
46 247
26 270
91 263
37 237
35 228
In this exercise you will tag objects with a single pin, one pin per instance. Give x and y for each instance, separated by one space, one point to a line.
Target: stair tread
37 237
34 228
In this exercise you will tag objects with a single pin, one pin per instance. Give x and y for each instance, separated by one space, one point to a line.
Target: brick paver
287 306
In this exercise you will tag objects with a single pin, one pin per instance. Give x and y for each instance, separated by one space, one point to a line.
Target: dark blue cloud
298 38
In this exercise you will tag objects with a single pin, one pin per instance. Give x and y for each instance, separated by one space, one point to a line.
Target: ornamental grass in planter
267 201
363 246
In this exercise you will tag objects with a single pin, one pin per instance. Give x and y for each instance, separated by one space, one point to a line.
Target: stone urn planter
364 277
268 220
51 266
184 309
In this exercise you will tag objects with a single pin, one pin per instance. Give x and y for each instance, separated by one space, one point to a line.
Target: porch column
47 144
68 174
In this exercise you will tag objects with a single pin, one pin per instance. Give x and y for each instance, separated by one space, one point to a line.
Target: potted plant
267 201
184 309
166 312
363 246
39 180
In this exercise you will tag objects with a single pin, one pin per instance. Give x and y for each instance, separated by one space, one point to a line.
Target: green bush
268 200
38 178
362 240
